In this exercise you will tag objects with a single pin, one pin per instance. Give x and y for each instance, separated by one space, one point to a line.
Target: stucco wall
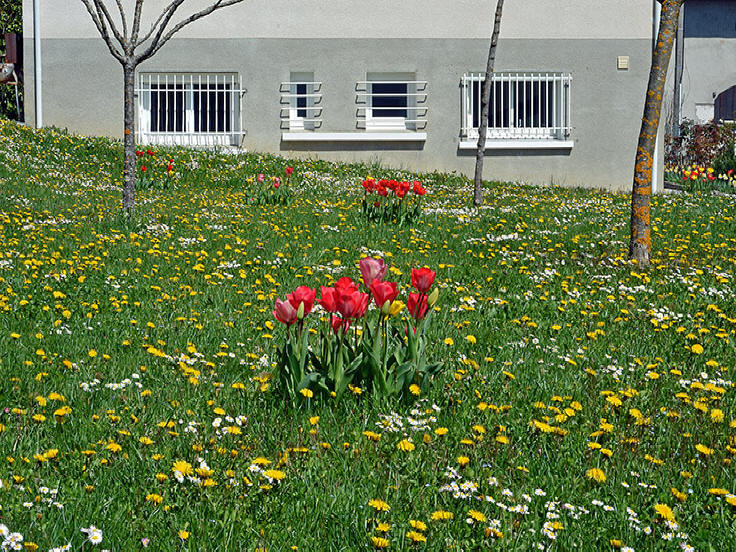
622 19
710 54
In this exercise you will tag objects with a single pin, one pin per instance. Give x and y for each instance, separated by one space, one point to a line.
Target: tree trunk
129 137
641 238
484 108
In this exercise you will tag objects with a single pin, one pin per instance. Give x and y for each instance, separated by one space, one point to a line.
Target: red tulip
289 171
422 279
383 291
372 269
284 312
328 299
352 305
345 285
338 323
143 168
418 309
149 152
302 294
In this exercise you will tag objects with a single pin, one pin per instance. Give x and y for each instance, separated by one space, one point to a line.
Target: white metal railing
391 104
300 105
523 106
194 109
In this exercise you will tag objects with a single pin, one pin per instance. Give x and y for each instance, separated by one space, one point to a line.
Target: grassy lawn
583 401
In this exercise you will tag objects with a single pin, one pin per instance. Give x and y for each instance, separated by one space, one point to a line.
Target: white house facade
387 81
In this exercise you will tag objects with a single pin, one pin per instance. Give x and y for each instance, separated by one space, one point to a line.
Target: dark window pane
167 108
211 105
382 96
301 100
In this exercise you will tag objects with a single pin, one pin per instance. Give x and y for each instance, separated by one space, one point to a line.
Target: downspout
37 82
679 64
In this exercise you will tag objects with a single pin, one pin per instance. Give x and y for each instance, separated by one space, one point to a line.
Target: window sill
368 136
512 144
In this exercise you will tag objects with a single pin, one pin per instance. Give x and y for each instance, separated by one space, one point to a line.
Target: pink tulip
372 269
284 312
261 177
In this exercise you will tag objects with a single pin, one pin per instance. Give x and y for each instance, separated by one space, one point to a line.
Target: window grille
392 104
194 109
522 106
301 105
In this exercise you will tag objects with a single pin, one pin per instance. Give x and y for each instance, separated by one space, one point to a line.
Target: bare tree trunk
484 108
123 47
129 137
641 238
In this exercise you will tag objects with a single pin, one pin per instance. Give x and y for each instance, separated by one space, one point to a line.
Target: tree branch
102 29
159 41
166 16
102 11
122 18
136 23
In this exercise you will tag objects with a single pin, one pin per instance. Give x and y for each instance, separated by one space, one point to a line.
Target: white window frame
150 83
415 96
519 121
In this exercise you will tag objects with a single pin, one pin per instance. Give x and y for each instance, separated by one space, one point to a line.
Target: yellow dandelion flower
664 511
406 446
379 505
183 467
596 474
419 525
441 515
475 515
379 542
416 536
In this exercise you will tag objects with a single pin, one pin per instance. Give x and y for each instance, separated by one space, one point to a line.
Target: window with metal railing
391 101
531 106
301 102
196 109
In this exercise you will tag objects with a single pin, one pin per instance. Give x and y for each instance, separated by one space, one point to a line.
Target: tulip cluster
151 171
699 178
384 357
390 200
271 190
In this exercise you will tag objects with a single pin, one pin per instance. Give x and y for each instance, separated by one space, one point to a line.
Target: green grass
567 334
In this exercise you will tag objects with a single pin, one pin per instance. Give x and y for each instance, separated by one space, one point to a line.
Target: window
392 101
522 106
301 102
189 109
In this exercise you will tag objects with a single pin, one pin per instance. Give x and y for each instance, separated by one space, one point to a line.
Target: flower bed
385 354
